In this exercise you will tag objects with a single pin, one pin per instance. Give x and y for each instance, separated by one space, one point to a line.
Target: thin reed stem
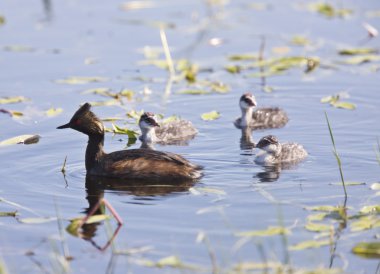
168 56
337 158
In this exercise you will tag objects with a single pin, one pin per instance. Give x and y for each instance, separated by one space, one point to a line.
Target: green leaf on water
37 220
243 57
334 100
361 59
325 208
270 231
162 64
2 20
16 113
53 112
135 114
127 93
194 92
19 48
328 10
349 184
189 70
259 6
267 89
233 69
13 100
328 99
367 249
345 105
300 40
318 227
370 209
247 266
12 113
119 130
209 116
112 119
97 218
75 223
100 91
22 139
309 244
267 73
80 80
365 223
317 216
278 66
8 214
219 87
357 51
170 261
111 102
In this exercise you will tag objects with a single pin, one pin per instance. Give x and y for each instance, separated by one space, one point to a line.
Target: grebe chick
147 124
135 164
261 118
175 132
277 153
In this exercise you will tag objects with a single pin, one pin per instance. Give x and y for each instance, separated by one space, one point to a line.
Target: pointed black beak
64 126
252 104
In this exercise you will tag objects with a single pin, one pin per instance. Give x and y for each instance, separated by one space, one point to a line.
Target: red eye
77 122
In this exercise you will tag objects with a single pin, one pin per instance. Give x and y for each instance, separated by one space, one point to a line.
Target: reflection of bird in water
145 164
277 153
270 174
246 141
173 132
141 190
261 118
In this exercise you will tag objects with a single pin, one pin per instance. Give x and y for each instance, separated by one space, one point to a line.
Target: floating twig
63 169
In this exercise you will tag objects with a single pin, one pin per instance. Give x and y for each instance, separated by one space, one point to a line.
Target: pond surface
61 39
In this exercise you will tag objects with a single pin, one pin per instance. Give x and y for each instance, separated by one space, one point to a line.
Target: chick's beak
64 126
252 103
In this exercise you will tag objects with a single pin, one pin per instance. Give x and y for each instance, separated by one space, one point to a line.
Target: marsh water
198 224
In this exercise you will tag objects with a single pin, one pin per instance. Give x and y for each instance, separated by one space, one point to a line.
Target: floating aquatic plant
13 100
209 116
335 101
80 80
21 139
328 10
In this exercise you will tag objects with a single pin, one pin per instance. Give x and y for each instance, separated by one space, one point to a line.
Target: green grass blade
337 157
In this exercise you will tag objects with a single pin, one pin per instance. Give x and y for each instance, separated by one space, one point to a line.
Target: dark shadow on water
47 4
270 174
141 190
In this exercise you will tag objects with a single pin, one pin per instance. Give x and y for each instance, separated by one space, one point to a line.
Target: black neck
94 150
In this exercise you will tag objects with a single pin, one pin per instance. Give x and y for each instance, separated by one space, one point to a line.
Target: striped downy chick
259 118
276 153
